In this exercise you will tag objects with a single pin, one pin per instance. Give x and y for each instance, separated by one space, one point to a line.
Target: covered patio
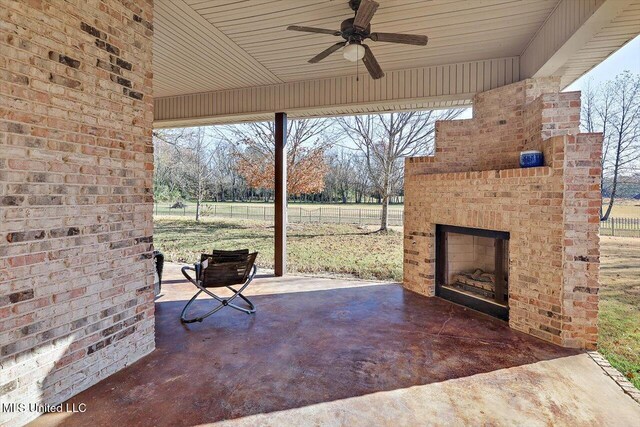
84 85
345 352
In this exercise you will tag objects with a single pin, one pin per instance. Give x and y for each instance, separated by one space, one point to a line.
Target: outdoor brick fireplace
532 232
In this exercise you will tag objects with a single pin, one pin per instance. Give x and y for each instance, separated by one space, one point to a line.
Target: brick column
582 201
76 165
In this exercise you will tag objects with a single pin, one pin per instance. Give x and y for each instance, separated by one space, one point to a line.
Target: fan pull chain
357 80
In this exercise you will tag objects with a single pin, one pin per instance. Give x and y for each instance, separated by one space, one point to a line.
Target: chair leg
252 308
223 302
183 318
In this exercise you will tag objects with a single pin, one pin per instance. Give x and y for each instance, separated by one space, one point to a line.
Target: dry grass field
619 318
626 209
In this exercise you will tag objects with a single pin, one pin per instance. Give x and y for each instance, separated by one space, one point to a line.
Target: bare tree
226 174
341 173
361 181
614 110
385 139
194 152
165 185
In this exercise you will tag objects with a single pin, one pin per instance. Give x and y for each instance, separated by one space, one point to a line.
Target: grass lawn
619 318
311 248
626 209
348 250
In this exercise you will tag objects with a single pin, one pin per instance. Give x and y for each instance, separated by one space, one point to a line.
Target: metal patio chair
221 269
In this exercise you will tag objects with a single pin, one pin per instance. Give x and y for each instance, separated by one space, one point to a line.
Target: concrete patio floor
340 352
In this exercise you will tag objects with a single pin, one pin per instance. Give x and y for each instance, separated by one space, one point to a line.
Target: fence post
156 208
264 213
184 210
231 211
247 212
339 215
360 216
612 229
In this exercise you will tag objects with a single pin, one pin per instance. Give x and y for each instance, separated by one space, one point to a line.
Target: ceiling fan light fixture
353 52
354 31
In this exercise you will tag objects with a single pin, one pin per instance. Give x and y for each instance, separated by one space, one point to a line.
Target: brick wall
505 122
551 212
76 162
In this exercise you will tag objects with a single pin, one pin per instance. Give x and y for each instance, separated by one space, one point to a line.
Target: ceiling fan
354 31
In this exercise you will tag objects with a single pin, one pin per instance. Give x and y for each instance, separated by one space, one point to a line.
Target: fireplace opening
472 268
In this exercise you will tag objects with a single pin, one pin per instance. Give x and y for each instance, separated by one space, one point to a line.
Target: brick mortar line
79 132
626 385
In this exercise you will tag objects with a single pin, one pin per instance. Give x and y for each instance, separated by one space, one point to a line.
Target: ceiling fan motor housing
351 33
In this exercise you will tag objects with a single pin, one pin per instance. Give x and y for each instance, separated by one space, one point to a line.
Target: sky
626 58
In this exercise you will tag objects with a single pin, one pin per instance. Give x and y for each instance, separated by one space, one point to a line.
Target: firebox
472 268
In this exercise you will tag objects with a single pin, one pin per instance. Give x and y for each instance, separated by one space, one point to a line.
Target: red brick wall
582 201
505 122
76 162
550 212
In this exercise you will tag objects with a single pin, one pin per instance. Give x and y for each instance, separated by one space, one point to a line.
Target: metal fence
624 227
323 214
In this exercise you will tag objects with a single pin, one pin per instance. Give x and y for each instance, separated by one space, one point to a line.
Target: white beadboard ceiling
223 61
210 45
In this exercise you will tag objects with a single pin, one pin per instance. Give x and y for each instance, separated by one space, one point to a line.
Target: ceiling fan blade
313 30
372 64
399 38
319 57
365 13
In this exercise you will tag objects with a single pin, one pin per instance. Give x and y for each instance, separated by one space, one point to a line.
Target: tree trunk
198 209
384 220
612 196
614 187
